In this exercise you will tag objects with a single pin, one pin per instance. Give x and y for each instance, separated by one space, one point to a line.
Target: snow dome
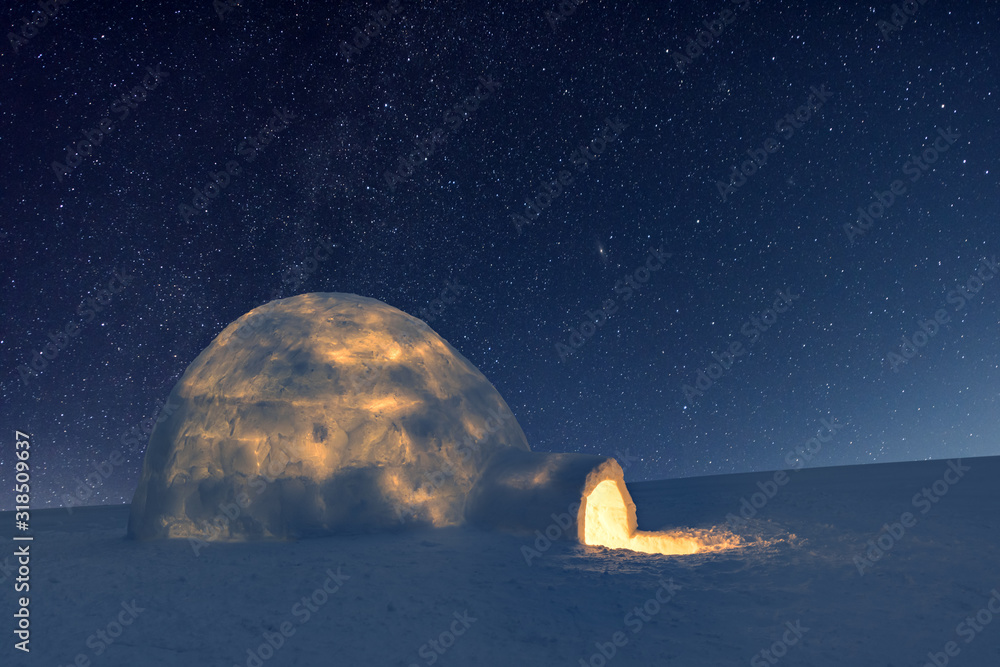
328 413
315 414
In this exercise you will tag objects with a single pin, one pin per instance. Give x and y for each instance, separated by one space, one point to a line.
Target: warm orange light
606 519
606 524
325 397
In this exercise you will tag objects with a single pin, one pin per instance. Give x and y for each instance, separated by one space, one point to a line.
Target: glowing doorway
609 521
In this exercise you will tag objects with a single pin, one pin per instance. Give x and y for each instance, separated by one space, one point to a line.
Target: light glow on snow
606 524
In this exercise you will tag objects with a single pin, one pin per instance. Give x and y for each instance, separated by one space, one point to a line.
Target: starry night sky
646 153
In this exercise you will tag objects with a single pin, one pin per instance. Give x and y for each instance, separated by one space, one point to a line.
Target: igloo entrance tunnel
331 413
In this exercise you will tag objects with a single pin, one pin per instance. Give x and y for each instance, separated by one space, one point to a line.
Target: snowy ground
473 594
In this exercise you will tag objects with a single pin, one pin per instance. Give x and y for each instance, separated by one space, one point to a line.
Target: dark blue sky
600 183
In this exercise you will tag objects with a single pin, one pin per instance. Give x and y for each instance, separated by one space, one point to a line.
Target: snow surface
405 589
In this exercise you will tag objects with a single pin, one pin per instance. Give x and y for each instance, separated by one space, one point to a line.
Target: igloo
330 413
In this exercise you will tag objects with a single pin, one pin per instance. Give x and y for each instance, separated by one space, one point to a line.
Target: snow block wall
318 414
522 491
